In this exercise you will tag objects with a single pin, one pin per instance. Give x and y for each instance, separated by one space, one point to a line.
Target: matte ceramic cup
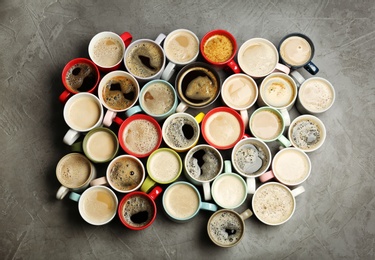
182 202
79 75
82 113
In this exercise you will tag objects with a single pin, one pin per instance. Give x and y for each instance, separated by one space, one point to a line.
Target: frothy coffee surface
181 47
120 93
218 48
81 77
107 52
228 191
158 99
73 170
181 201
295 51
204 164
225 228
83 113
222 129
145 59
291 167
266 125
273 203
181 132
164 166
101 146
239 92
138 211
249 158
125 173
98 205
306 134
278 91
316 95
140 136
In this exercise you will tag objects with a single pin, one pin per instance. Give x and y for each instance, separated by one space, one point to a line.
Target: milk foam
316 95
107 52
83 113
222 221
239 92
98 205
73 170
181 47
295 51
158 99
306 134
277 92
291 166
101 146
164 166
266 125
174 134
228 191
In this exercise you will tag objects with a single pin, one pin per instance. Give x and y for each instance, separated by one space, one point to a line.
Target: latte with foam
181 46
307 133
295 51
107 52
164 166
158 98
278 90
266 124
101 145
239 91
229 190
316 95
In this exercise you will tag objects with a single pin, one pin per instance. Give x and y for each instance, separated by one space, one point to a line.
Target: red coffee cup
137 210
139 135
218 47
222 128
79 75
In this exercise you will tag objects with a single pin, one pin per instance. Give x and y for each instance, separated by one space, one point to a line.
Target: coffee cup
219 47
197 85
181 131
118 91
202 164
158 99
222 127
106 49
181 47
164 166
290 166
239 92
251 157
74 172
278 90
140 135
296 51
307 132
229 190
100 145
124 174
315 95
226 228
82 113
274 203
182 202
145 59
96 205
137 210
267 124
79 75
258 57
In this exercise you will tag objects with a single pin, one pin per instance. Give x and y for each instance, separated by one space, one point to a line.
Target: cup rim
279 184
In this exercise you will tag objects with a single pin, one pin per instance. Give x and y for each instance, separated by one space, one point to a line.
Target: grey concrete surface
334 218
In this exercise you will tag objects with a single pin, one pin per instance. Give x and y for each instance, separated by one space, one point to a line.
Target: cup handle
99 181
148 184
298 191
282 68
133 110
267 176
71 136
234 66
206 191
77 147
298 77
108 118
284 141
155 192
246 214
168 71
251 185
208 206
311 68
182 107
64 96
285 114
245 118
127 38
227 166
61 192
199 117
74 196
160 38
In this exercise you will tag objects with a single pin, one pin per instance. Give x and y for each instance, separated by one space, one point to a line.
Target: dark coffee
81 77
138 211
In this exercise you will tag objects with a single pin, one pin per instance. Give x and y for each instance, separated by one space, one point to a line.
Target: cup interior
164 165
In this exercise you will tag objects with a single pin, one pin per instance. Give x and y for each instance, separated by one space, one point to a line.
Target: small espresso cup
140 135
202 164
164 166
222 127
82 113
182 202
74 172
274 203
290 166
307 132
239 92
251 157
219 47
145 59
197 85
296 51
181 47
137 210
258 57
226 228
118 91
96 205
100 145
158 99
79 75
267 124
229 190
181 131
106 49
124 174
278 90
315 95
